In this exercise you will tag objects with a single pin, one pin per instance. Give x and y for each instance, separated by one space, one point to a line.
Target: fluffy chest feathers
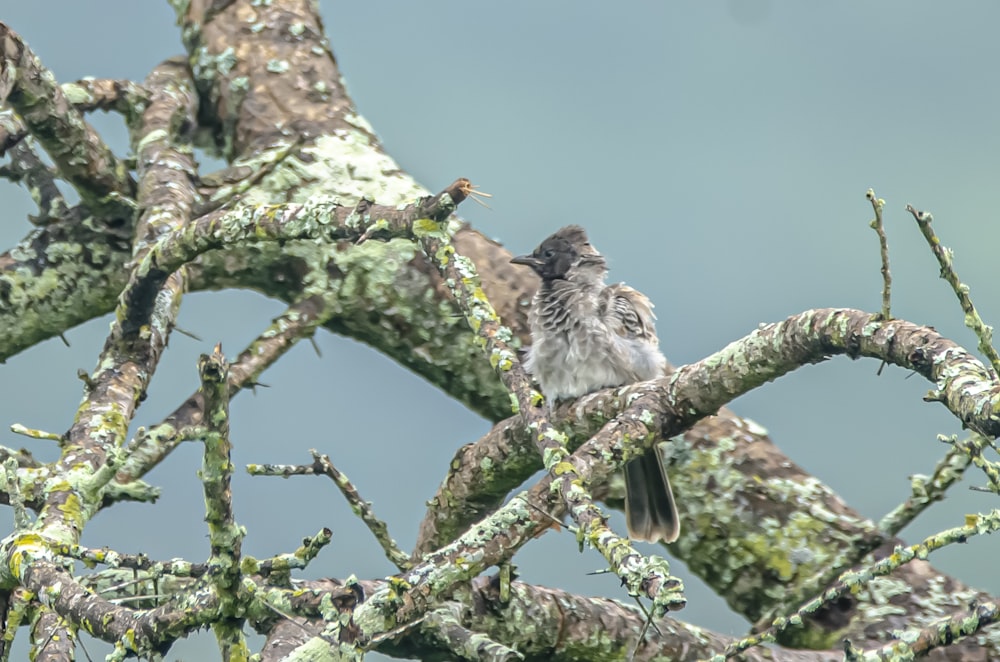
588 336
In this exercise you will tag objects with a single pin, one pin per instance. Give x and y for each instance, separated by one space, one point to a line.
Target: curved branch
147 630
731 477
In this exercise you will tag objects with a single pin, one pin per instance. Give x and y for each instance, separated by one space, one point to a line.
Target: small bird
585 336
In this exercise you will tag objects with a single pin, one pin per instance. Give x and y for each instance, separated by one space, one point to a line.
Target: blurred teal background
718 153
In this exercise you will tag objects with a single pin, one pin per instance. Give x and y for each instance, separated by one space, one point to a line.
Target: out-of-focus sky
718 153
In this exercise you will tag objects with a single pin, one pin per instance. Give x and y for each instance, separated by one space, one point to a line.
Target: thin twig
973 448
363 509
323 466
877 205
113 559
925 490
297 560
17 428
944 256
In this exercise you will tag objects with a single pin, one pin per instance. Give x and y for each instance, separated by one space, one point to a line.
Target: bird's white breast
575 352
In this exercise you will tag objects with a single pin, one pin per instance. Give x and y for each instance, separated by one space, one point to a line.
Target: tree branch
225 536
53 639
323 466
25 165
716 474
77 150
150 446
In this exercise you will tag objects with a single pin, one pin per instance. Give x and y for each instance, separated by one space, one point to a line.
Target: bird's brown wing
629 313
650 510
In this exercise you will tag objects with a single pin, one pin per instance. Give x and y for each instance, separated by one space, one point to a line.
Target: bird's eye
549 253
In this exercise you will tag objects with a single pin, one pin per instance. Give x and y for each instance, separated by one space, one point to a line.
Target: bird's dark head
559 255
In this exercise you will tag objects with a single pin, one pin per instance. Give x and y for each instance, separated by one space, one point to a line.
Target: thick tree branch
855 581
77 150
941 634
92 449
53 639
542 624
131 352
67 273
192 604
479 477
319 219
164 160
148 630
445 625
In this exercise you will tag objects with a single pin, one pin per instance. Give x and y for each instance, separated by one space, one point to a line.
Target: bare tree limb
79 153
25 165
150 446
323 466
225 536
52 638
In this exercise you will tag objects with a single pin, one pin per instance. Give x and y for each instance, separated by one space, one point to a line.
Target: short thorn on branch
469 189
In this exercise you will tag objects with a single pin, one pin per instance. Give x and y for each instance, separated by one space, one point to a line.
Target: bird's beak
527 260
